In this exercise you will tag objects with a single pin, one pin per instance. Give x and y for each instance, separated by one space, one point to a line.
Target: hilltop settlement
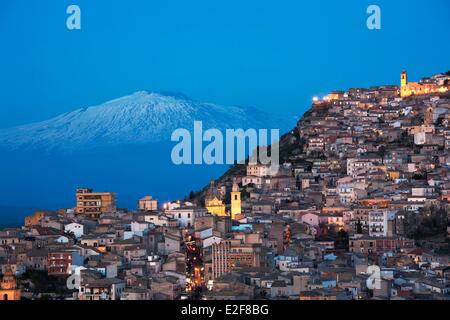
358 210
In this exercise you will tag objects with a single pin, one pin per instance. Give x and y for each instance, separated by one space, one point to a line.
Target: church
8 286
215 204
214 201
415 88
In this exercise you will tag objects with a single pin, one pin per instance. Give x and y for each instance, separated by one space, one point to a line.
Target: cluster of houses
357 170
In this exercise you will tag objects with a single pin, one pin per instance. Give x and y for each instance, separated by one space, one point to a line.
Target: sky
274 55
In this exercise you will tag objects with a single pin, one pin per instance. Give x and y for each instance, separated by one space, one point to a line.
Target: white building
139 227
258 170
380 223
348 190
158 219
186 215
420 138
421 191
76 228
257 181
207 242
204 233
101 289
357 166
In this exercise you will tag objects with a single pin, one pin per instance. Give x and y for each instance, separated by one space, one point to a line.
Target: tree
431 221
342 239
382 151
359 227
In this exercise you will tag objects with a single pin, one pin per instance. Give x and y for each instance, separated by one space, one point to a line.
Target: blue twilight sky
274 55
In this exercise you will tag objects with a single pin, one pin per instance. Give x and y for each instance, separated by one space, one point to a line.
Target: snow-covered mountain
140 118
122 145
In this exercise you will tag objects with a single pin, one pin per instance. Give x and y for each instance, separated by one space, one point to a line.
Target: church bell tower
8 286
235 201
403 79
403 83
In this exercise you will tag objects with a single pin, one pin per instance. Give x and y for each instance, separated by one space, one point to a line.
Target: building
60 263
215 206
8 286
311 219
258 170
76 229
348 191
159 219
147 203
415 88
136 294
214 201
93 204
315 144
165 288
229 254
357 166
371 245
381 223
257 181
235 202
220 259
101 289
36 217
186 215
172 243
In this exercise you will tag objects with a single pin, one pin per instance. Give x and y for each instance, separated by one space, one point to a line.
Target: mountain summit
122 145
142 117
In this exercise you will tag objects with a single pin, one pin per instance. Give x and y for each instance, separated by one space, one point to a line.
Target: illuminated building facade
235 202
415 88
148 204
8 286
216 207
214 201
36 218
93 204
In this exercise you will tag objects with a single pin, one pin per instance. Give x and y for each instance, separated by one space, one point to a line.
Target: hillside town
363 185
